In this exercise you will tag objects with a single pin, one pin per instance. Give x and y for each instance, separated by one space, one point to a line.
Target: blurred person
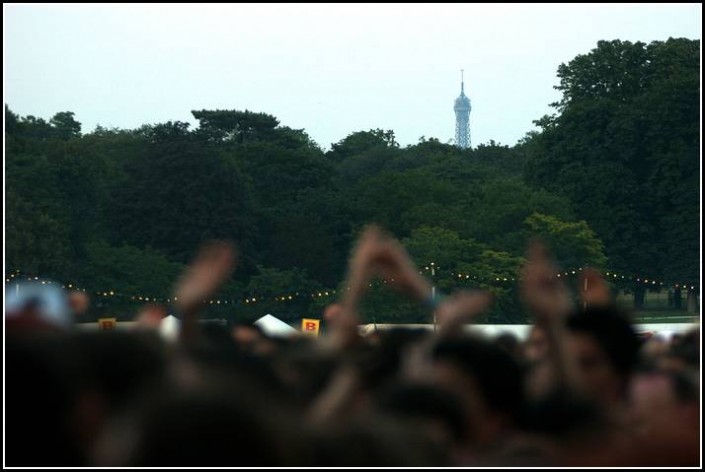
654 349
489 382
437 412
247 335
79 302
370 440
664 409
33 306
536 345
217 423
510 343
605 346
45 382
683 352
150 316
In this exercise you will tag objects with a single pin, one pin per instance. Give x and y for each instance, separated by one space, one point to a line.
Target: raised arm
344 323
594 291
459 308
211 267
549 301
394 264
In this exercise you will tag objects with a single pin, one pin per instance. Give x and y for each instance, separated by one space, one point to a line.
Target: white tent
169 328
274 326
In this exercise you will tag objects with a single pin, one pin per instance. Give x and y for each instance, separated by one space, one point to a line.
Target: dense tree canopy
624 148
610 180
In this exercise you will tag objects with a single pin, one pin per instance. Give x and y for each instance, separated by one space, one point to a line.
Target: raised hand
344 319
542 291
211 267
549 300
594 291
394 264
461 307
150 316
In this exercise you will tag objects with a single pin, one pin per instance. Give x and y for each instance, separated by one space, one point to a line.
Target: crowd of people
583 389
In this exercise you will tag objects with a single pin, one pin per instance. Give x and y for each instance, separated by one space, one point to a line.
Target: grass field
657 310
655 317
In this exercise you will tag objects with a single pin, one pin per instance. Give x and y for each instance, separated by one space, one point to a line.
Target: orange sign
310 326
107 323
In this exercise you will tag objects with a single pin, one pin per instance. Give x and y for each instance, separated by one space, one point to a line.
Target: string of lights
16 276
609 275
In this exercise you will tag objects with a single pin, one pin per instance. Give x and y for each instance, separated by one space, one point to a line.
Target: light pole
433 276
433 292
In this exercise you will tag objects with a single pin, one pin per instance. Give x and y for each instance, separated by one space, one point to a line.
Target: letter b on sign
310 326
107 323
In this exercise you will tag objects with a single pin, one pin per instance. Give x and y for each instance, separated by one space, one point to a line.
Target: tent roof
274 326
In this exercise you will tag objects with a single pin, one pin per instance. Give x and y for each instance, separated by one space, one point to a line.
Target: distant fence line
521 331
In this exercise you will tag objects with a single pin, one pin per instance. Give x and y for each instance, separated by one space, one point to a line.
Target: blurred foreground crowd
583 389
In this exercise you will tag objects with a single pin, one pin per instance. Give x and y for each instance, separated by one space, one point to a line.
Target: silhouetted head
437 410
488 380
606 349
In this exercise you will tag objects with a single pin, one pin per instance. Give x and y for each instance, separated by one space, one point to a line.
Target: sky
329 69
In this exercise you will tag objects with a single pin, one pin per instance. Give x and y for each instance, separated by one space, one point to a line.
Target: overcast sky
330 69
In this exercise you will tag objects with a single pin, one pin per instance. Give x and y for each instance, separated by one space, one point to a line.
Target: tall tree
574 245
361 141
624 147
236 126
65 125
182 194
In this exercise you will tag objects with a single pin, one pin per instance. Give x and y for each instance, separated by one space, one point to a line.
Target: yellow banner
310 326
107 323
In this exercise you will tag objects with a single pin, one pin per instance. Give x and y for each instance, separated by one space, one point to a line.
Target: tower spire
462 115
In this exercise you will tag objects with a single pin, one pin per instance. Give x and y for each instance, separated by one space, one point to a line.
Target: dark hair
417 401
44 379
686 348
376 442
220 357
562 413
499 376
122 365
508 341
684 386
219 424
613 332
379 364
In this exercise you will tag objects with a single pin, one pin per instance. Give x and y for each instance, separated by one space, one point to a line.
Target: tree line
610 180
